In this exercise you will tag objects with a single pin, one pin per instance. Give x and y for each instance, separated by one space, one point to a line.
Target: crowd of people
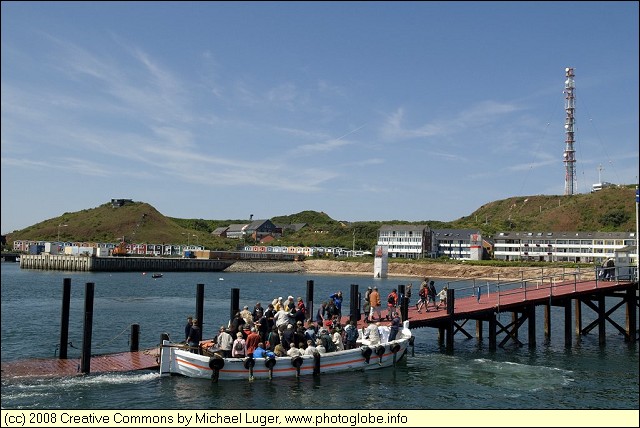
283 328
286 328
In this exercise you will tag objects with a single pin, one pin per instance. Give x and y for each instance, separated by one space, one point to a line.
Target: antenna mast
569 152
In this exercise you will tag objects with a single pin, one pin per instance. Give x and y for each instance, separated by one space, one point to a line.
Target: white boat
178 359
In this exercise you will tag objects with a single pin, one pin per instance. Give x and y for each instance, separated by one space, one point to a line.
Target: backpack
390 299
351 333
423 292
239 346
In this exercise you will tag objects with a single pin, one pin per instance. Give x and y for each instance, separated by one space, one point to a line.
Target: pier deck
108 363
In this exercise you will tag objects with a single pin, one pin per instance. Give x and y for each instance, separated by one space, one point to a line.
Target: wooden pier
519 299
108 363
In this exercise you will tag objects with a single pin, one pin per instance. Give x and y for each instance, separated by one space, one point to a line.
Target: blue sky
363 110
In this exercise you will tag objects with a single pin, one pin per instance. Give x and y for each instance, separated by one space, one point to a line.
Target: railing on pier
497 289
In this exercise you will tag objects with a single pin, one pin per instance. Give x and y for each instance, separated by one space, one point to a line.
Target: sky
366 111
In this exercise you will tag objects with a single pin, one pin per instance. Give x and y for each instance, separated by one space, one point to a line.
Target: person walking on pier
442 295
374 300
477 293
367 305
431 295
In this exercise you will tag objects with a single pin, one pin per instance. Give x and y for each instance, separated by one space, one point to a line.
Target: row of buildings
401 241
409 241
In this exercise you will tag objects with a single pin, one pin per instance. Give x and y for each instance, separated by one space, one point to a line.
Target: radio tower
569 152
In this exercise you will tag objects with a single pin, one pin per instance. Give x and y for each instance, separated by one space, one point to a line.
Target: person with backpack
239 348
424 299
350 335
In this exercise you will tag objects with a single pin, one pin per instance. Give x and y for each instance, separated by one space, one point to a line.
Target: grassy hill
611 209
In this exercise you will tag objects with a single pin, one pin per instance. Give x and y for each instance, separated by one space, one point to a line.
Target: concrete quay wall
121 264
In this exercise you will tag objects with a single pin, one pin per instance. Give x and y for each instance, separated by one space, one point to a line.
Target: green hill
611 209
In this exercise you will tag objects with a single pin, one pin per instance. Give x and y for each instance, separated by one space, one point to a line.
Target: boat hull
175 359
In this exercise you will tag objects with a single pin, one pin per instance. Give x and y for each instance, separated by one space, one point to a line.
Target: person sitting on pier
259 352
294 351
337 339
311 348
372 333
320 347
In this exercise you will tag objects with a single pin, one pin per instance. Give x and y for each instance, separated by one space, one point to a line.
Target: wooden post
135 338
354 304
64 318
310 299
85 360
200 308
235 303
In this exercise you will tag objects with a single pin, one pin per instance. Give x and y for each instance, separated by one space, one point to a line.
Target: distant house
220 231
294 227
236 231
115 203
258 229
405 241
459 244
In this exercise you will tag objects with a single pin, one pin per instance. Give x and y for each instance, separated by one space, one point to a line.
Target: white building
577 247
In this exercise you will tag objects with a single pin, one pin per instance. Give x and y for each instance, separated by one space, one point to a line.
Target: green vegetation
610 209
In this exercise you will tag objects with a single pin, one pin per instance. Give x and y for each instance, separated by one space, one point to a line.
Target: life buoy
395 347
216 363
270 362
297 361
249 362
379 350
366 353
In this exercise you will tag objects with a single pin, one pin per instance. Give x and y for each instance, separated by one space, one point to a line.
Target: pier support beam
531 328
567 323
631 317
493 342
578 321
479 330
602 333
547 322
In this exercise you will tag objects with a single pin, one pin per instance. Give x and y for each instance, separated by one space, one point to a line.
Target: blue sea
548 376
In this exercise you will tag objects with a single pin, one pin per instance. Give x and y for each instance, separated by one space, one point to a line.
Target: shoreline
419 271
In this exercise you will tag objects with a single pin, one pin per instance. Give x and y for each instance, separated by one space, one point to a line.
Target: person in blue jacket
337 301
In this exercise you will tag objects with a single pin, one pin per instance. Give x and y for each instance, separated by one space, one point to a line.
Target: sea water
547 376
